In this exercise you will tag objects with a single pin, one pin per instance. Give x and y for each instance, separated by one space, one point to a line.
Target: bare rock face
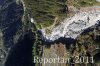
73 26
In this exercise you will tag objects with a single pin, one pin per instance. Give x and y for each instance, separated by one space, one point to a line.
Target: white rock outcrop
73 26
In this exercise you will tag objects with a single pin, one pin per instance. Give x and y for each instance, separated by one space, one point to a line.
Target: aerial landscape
49 32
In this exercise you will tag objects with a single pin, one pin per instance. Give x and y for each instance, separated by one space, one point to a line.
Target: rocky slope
75 25
77 35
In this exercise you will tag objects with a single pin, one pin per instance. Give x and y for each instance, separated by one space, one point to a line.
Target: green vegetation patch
45 11
83 3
